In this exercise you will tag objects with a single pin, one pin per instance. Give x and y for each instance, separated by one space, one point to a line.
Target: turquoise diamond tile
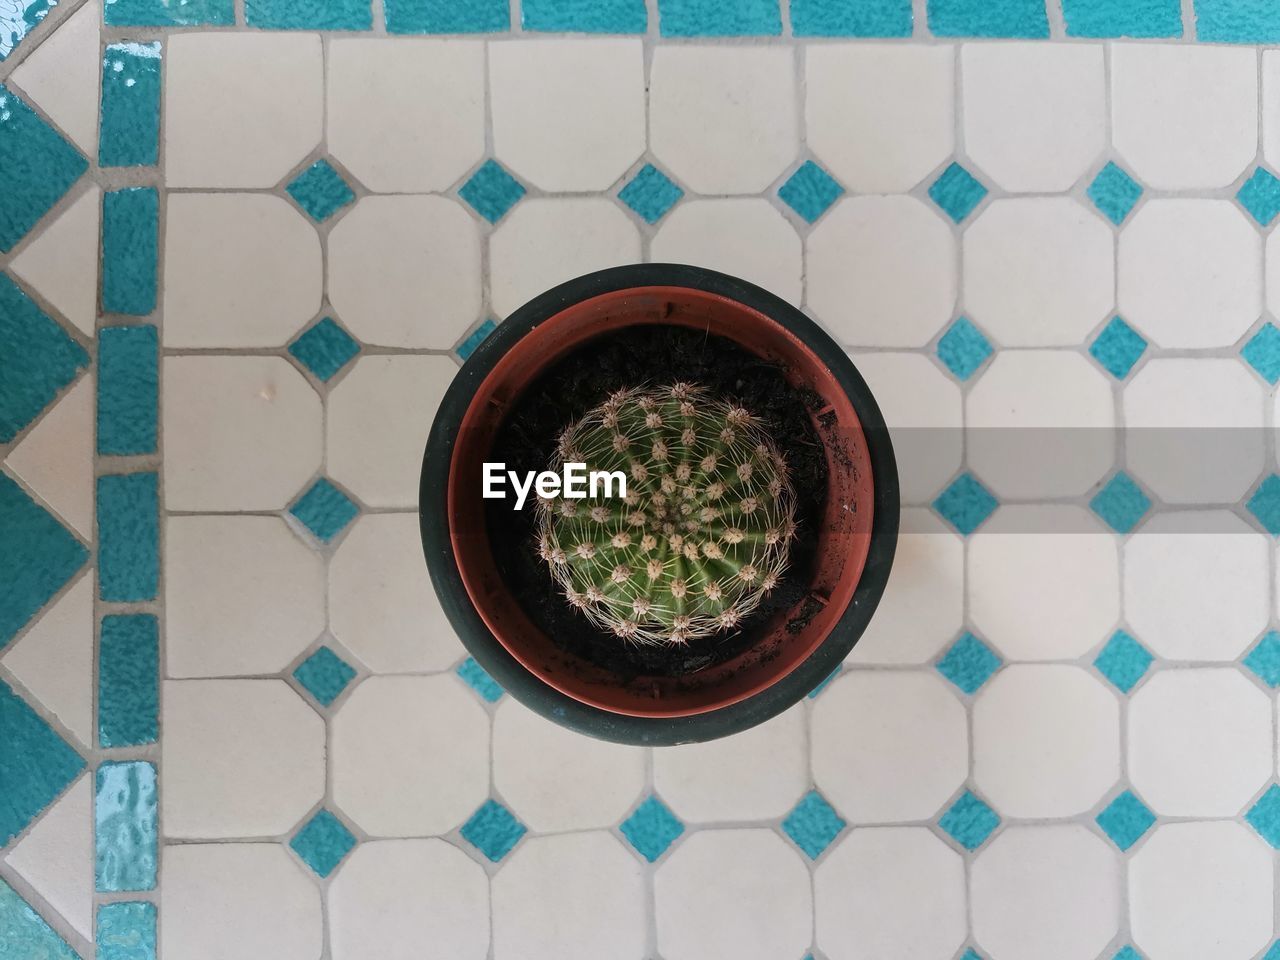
493 830
957 192
324 675
652 828
1114 193
969 821
324 510
1260 195
1264 816
1121 503
39 166
1264 659
1131 953
320 191
965 504
323 842
38 556
476 337
1125 820
24 935
492 191
35 764
1123 661
969 663
810 191
1265 504
1117 348
650 193
1262 352
812 824
963 348
971 954
1272 954
39 359
823 685
324 348
126 930
478 679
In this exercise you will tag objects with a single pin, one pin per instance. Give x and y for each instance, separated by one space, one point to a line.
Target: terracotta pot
798 648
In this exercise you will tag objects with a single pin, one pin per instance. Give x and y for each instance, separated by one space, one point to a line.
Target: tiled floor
240 267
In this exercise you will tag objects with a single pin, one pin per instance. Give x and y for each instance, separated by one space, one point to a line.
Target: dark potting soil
655 355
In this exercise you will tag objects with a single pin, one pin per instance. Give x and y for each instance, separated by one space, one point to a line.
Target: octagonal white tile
1046 740
405 271
908 896
241 109
723 119
241 758
1190 272
243 596
406 115
1044 581
240 270
410 755
240 433
881 272
1039 271
733 893
1051 892
888 746
879 116
555 779
1196 585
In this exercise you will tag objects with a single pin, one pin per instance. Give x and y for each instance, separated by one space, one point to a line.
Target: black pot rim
525 686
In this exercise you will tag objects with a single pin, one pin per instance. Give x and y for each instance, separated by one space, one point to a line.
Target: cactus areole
734 537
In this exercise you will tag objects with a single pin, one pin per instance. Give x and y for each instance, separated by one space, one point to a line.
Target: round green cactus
703 532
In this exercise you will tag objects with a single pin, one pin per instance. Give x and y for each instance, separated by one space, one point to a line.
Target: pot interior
788 637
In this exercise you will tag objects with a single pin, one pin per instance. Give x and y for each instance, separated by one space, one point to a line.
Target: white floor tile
57 856
56 458
61 264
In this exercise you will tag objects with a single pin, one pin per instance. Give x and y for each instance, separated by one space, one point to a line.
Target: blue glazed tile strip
24 935
130 119
166 13
1025 19
1122 18
447 16
1237 21
130 242
39 166
128 390
851 18
308 14
125 827
128 537
18 19
584 16
716 18
38 556
128 680
126 930
35 764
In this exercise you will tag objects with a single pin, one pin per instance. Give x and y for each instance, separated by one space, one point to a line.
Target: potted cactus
740 535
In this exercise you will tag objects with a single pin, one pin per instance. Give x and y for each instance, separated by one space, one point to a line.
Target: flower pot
790 652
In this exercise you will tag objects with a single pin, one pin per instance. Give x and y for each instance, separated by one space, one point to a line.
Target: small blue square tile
1117 348
824 684
1114 193
1272 954
324 349
965 504
320 191
1260 195
969 663
324 675
810 191
126 930
468 346
39 167
1122 18
650 193
1264 659
1262 352
491 191
1129 953
1125 820
1121 503
1265 504
1237 21
1264 816
716 18
1024 19
584 16
963 348
478 679
971 954
324 510
812 824
323 842
447 16
843 18
957 192
969 821
1123 661
652 828
493 830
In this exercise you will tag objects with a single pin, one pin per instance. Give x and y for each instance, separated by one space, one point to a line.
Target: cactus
703 533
